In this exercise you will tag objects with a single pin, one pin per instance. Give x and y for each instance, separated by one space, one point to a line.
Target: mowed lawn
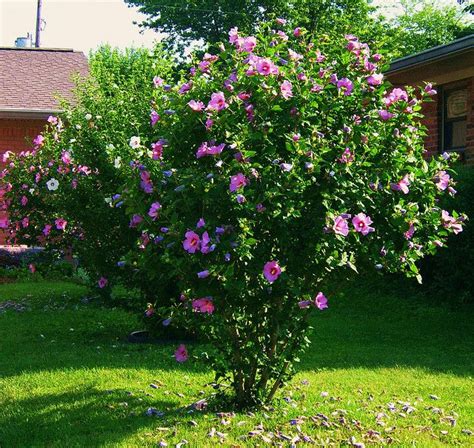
386 366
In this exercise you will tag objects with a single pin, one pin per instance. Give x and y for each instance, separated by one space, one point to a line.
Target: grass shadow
69 418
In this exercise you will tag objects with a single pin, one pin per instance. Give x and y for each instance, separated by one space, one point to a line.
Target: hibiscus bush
267 171
60 193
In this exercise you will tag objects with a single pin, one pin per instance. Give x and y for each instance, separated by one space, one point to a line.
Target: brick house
450 118
30 81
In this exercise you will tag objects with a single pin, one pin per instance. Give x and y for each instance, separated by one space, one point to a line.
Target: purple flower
181 354
385 114
237 182
286 89
442 180
154 117
204 305
361 223
375 79
209 149
203 274
320 301
200 223
271 271
345 85
217 102
166 322
429 89
136 219
192 242
154 209
240 198
347 156
102 283
185 87
402 185
410 232
196 106
340 226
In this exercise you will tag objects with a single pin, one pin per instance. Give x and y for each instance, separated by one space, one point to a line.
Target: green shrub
450 271
269 169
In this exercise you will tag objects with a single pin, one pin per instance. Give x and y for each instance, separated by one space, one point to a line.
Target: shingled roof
30 78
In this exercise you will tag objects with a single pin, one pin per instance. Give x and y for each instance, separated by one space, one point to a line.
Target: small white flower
78 126
134 142
88 117
118 162
31 190
98 117
110 146
73 140
108 201
52 184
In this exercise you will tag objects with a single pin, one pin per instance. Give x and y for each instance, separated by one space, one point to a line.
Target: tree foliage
426 24
208 20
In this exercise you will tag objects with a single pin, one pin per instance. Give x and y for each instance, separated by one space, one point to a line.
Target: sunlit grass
69 378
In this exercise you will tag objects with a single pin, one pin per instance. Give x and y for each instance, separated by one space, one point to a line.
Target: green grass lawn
386 365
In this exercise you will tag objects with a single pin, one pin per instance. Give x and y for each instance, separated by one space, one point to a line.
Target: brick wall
14 136
13 133
432 121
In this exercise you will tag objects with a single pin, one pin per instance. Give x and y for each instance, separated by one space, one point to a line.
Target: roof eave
28 114
432 55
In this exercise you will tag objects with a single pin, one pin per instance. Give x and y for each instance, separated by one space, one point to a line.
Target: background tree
428 23
209 20
422 23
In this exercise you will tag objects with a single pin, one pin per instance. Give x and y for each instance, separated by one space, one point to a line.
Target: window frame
444 93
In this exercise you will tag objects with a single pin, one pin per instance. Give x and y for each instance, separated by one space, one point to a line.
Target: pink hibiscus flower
217 102
192 243
154 209
442 180
265 67
345 85
450 222
181 354
271 271
60 224
286 89
154 117
102 283
375 79
402 185
204 305
196 106
361 223
320 301
340 226
238 181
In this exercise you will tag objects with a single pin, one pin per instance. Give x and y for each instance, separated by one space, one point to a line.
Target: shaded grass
69 378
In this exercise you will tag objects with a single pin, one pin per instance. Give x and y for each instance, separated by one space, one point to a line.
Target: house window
454 120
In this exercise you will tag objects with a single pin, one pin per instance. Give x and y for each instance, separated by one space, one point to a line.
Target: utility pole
38 23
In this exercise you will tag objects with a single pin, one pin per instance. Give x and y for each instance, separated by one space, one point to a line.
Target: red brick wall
13 133
432 121
14 136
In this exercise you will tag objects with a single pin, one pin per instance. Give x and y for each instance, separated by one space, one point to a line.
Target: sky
85 24
78 24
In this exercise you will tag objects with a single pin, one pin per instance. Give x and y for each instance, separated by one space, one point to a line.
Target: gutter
31 114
